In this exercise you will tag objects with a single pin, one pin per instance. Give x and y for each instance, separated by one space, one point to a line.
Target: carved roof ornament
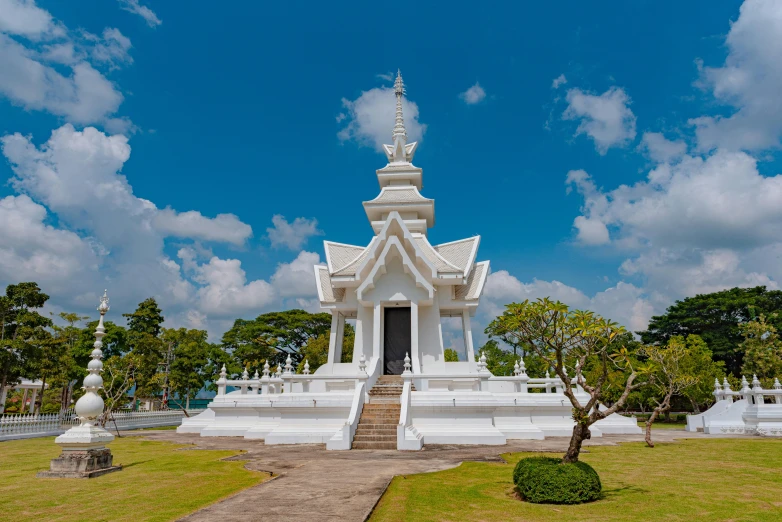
400 151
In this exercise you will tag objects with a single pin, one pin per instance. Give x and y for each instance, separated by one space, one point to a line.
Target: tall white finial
399 122
400 151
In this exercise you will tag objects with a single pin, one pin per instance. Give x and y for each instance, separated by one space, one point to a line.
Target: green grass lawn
703 479
664 426
160 481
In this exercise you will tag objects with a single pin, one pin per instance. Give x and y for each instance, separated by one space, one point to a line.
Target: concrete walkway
317 485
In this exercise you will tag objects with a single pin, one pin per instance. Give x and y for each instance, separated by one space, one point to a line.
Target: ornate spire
399 122
400 151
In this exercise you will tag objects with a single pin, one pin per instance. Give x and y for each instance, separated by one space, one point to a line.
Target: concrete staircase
377 426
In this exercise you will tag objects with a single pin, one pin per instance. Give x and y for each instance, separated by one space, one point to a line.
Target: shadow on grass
136 463
615 492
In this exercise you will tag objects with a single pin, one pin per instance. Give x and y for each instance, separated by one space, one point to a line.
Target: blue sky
222 117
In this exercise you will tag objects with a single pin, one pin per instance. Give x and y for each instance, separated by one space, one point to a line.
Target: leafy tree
451 355
70 371
567 340
115 342
699 364
715 318
274 336
50 360
668 376
498 360
143 338
316 351
119 376
21 329
191 352
762 350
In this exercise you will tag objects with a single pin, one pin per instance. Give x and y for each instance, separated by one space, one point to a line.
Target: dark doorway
396 340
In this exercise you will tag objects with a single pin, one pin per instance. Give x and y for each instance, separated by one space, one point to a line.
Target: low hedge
545 480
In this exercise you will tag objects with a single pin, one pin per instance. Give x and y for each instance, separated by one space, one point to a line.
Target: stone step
377 426
374 445
372 406
381 431
374 438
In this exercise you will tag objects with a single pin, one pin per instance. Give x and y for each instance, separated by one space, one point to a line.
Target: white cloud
292 235
605 118
721 201
557 82
297 278
107 237
192 224
112 49
750 80
660 149
370 118
84 97
133 6
473 95
225 291
24 18
623 303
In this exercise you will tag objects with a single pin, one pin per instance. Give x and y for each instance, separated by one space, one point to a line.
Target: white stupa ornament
83 447
400 151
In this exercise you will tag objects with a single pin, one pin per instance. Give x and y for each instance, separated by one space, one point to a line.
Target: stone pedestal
81 464
84 454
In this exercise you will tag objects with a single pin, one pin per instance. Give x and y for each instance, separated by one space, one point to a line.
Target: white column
467 329
377 321
32 402
414 338
3 397
333 335
340 337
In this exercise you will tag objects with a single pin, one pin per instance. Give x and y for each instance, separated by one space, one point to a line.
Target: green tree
274 336
567 341
191 352
715 318
50 360
699 364
498 360
316 351
762 350
21 329
451 355
143 339
669 376
70 371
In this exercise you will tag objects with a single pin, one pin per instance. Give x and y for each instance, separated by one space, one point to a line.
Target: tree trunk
695 407
580 434
187 402
649 422
39 401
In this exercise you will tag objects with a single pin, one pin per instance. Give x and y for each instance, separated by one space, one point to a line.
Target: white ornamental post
84 451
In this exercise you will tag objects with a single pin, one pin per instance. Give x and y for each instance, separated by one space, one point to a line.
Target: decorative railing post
222 381
778 388
727 393
265 379
84 451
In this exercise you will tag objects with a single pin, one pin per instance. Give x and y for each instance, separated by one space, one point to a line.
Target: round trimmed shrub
545 480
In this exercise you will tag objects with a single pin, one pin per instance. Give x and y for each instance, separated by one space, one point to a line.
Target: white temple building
398 391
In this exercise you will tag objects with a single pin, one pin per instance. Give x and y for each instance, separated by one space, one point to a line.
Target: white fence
26 426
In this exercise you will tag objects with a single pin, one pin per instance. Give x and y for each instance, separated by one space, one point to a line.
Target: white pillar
32 402
24 401
3 397
333 335
467 329
414 337
340 337
377 323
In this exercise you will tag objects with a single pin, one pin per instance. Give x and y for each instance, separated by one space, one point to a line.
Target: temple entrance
396 340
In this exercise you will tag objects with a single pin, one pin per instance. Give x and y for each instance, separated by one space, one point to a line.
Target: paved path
317 485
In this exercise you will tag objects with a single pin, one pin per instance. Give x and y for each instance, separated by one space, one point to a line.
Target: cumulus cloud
24 18
605 118
46 67
297 278
749 81
192 224
108 237
369 118
623 303
292 235
133 6
473 95
559 81
660 149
